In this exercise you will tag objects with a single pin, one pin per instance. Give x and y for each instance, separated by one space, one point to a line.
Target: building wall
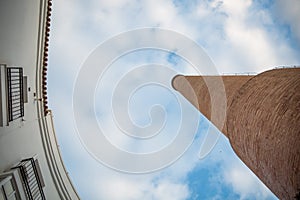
22 39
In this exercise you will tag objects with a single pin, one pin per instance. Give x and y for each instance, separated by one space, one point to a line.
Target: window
8 189
32 178
13 94
24 181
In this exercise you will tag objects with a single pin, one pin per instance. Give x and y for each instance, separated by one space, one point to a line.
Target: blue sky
237 35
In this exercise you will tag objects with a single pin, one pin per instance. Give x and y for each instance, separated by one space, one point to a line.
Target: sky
128 94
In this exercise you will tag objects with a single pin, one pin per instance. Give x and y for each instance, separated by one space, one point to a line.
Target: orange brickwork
262 122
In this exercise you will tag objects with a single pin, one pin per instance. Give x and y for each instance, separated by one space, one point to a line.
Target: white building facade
30 163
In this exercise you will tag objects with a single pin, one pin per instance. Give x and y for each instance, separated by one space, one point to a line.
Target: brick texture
262 122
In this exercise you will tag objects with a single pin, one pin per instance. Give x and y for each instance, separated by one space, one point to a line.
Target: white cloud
248 44
288 12
170 191
122 188
236 8
116 188
104 183
244 182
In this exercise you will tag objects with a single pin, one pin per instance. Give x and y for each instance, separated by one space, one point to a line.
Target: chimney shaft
205 95
262 123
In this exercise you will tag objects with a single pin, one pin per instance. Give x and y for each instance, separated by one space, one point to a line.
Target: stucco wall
22 38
